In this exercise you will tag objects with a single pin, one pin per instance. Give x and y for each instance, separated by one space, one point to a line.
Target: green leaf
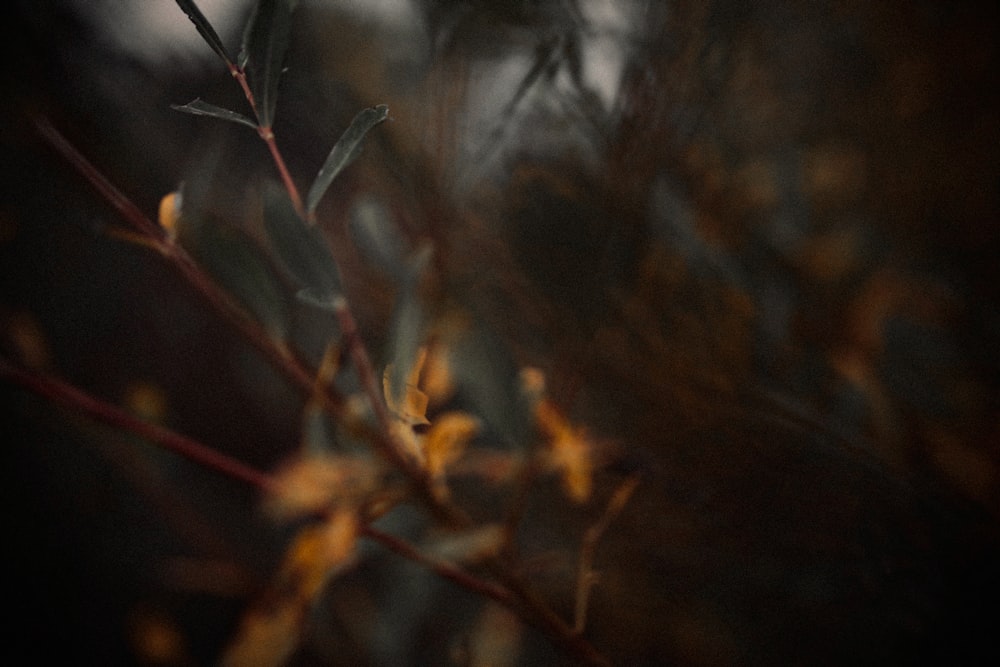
265 42
377 237
409 321
301 249
205 29
344 152
201 108
243 270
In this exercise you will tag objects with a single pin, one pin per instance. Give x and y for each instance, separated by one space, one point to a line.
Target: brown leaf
309 484
447 439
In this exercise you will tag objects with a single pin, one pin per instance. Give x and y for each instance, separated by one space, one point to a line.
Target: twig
113 195
301 379
65 394
586 576
384 439
535 611
267 134
518 596
279 357
443 568
511 592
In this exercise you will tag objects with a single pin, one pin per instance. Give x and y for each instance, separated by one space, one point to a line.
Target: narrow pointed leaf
265 42
199 107
243 270
409 321
378 238
301 249
205 29
344 152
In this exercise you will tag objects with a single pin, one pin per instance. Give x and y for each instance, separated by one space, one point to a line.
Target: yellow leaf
267 637
438 381
316 553
170 213
532 382
310 484
447 439
412 442
470 547
270 631
570 450
412 409
572 456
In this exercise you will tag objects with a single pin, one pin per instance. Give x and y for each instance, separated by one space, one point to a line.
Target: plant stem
267 134
585 575
384 439
442 568
113 195
517 595
279 356
512 593
67 395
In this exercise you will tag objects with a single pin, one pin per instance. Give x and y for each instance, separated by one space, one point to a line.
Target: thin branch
280 357
384 439
67 395
512 593
536 612
586 576
446 570
526 602
132 213
267 134
252 332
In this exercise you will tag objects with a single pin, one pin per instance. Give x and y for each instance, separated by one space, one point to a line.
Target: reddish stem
267 134
443 568
517 595
113 195
383 438
513 594
67 395
299 377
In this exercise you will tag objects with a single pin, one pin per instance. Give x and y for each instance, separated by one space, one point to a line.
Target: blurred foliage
750 248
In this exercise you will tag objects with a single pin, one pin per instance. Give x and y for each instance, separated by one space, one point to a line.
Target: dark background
765 266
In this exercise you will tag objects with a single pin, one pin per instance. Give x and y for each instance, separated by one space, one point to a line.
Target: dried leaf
408 402
267 637
447 439
316 553
438 380
271 631
413 443
170 213
470 547
310 484
570 450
